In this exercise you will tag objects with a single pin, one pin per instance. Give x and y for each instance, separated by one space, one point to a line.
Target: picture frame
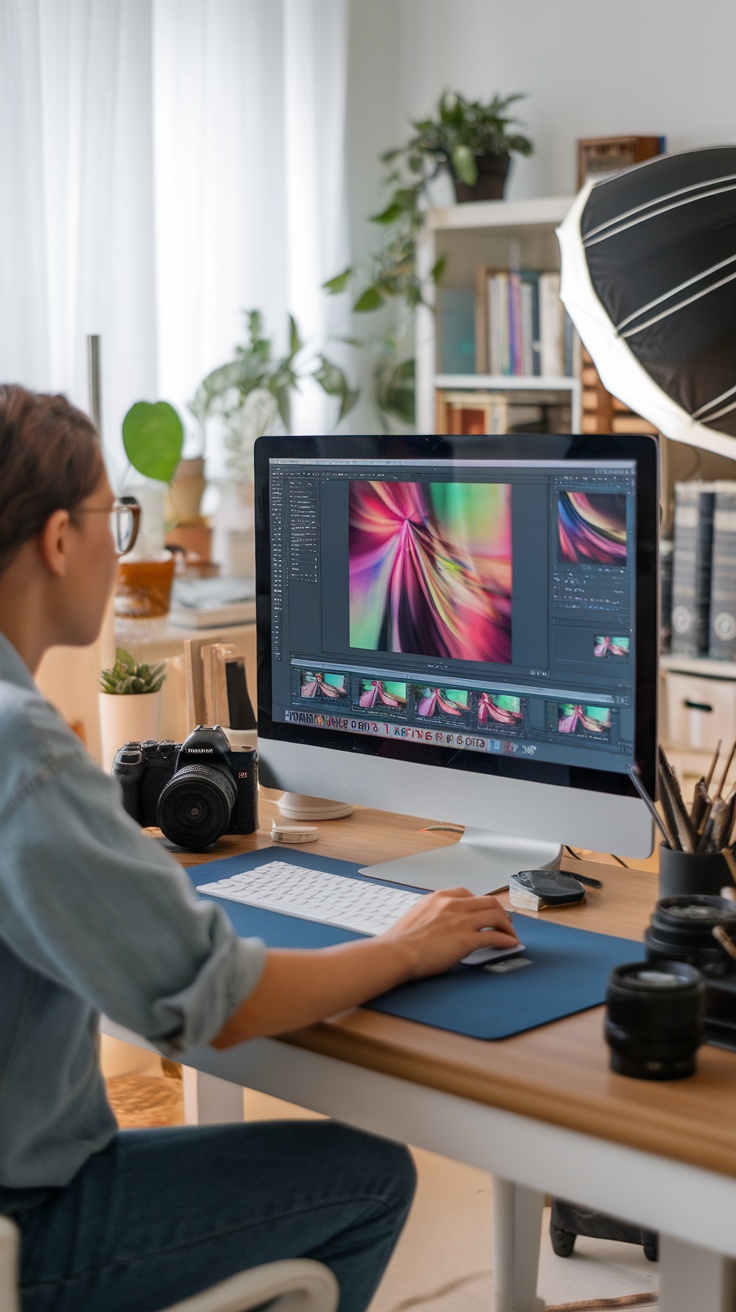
600 157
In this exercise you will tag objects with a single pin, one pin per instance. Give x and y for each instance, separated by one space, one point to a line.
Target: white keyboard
355 904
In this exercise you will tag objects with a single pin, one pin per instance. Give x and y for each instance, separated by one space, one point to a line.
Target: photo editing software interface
478 605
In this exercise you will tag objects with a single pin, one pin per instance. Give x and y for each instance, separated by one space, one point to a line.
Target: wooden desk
542 1111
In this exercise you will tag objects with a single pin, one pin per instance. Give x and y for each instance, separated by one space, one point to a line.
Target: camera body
194 791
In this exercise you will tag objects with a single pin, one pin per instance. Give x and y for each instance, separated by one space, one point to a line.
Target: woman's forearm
298 988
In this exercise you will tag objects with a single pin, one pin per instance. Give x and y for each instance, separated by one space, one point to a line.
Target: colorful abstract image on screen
382 694
592 527
573 718
322 686
497 710
603 647
430 569
441 701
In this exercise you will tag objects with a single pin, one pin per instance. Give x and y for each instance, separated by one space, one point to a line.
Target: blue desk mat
568 972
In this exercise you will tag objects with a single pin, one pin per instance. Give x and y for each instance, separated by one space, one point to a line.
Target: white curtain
167 164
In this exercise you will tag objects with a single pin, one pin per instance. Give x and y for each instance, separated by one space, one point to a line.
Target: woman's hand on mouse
444 927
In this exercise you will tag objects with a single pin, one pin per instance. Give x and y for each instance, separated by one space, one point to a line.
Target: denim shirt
94 916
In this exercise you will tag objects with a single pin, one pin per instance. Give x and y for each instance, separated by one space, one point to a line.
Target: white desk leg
691 1277
517 1233
209 1100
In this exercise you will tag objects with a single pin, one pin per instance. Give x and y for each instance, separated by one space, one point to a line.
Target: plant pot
184 494
492 173
127 717
233 544
143 588
691 873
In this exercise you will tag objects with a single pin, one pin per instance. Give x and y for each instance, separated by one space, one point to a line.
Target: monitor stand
300 806
481 862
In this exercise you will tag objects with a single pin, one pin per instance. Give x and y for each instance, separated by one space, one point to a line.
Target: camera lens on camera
682 927
195 806
654 1019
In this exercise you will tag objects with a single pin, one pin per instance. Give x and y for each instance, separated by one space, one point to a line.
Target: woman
94 916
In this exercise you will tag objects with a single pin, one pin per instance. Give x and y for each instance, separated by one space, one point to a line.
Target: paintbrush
725 772
699 803
672 779
724 938
713 764
731 804
730 860
669 816
669 838
713 836
670 788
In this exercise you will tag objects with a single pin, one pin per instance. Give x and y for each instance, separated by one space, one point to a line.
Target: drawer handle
697 706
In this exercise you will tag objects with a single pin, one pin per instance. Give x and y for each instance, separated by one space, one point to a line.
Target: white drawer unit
700 711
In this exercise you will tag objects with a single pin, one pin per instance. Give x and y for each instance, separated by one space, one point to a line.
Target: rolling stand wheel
650 1244
568 1220
563 1241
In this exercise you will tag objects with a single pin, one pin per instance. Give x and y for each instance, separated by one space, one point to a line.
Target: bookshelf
491 234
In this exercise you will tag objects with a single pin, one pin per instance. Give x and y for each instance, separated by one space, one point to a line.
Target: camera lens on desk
654 1019
682 927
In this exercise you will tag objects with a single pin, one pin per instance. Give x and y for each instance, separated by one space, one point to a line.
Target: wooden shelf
701 665
507 383
505 214
487 234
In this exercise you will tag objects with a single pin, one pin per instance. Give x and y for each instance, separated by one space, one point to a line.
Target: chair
289 1286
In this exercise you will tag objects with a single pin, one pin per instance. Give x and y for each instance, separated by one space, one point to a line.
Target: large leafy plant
251 392
460 131
455 137
153 437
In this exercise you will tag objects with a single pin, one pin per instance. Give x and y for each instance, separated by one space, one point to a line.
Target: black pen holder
692 872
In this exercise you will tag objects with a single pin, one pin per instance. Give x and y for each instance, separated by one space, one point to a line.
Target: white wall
591 68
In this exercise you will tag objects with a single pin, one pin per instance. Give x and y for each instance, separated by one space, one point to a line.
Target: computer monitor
464 628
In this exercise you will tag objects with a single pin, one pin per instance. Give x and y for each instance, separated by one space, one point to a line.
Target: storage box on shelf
699 709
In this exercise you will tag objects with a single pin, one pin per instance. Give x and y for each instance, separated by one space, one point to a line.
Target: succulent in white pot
130 703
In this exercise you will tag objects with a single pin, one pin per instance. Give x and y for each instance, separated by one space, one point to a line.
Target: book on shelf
722 620
486 412
471 412
455 320
212 603
691 567
521 327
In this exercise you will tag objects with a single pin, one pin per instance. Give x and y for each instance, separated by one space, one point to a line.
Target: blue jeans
161 1214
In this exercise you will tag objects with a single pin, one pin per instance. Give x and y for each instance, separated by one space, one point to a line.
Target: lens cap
551 887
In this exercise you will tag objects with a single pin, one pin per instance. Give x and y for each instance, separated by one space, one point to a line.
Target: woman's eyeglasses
125 518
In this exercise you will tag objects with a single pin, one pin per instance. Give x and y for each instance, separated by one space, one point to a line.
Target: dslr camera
194 791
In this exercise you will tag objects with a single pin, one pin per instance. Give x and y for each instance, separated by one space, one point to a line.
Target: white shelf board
504 383
540 211
701 665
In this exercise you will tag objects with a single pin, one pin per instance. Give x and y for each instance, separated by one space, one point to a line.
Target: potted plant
251 395
130 703
474 142
225 392
153 437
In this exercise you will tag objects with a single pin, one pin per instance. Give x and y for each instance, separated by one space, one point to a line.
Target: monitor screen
485 606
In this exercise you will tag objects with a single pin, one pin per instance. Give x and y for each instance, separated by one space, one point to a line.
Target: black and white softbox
648 277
